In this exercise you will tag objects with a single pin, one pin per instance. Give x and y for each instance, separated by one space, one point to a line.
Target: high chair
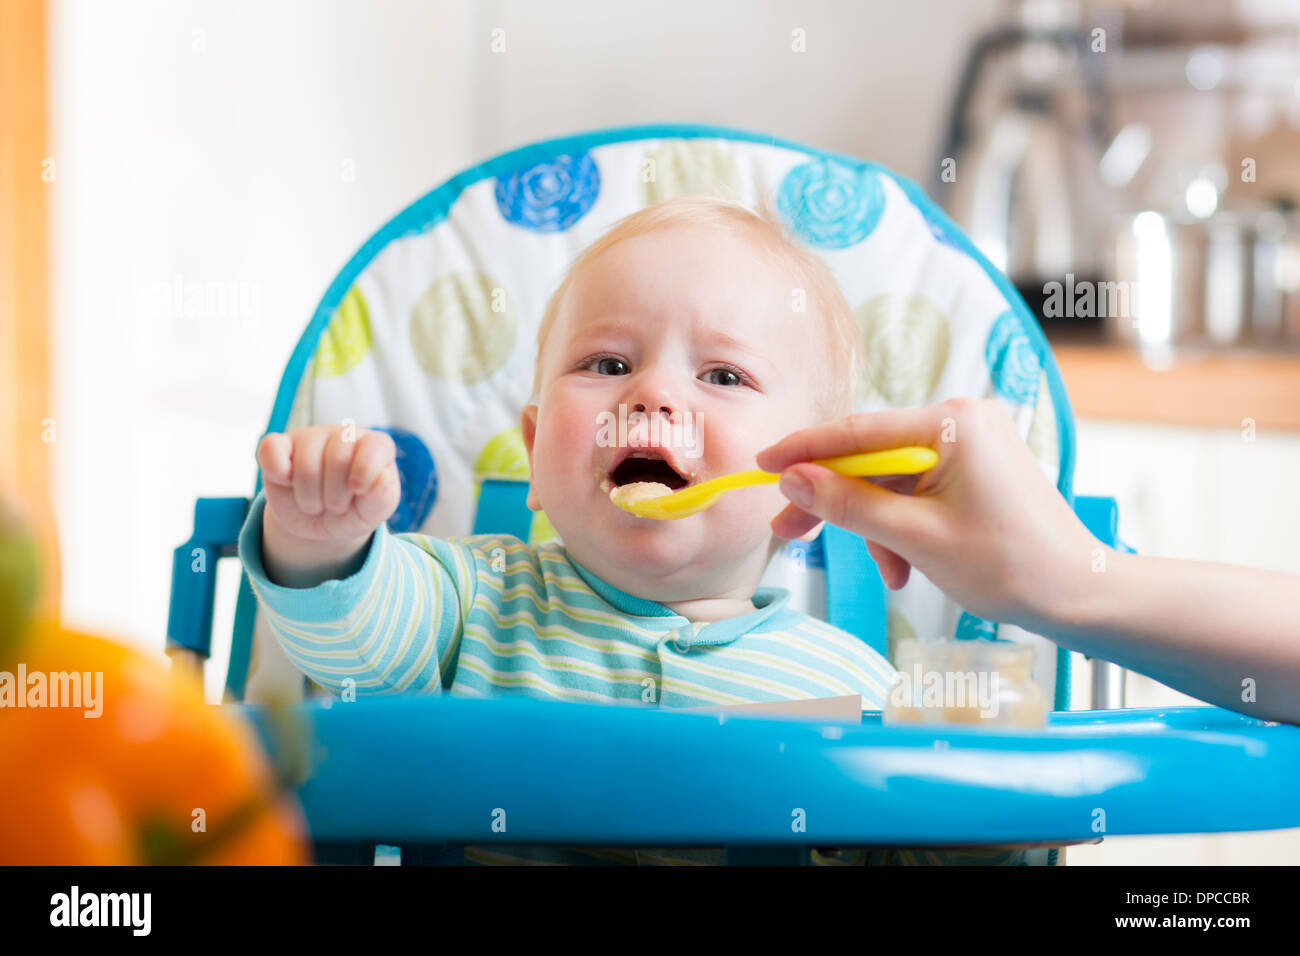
429 334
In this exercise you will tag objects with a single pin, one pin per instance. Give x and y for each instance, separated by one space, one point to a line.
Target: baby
713 335
690 336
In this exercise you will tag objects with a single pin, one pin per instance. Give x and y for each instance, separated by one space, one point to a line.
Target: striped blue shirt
485 615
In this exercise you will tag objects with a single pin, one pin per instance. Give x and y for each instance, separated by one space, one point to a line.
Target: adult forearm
1221 633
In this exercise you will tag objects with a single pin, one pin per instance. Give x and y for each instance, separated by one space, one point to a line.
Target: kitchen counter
1205 388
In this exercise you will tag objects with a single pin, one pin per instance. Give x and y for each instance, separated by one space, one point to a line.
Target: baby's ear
528 428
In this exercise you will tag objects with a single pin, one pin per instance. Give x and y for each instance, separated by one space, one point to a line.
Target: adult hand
984 524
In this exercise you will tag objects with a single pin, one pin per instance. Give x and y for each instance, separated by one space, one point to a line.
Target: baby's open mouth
647 469
644 466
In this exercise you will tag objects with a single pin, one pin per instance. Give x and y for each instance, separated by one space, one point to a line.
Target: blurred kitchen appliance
1231 278
1023 181
1165 195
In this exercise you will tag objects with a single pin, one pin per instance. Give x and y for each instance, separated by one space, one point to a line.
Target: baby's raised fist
330 483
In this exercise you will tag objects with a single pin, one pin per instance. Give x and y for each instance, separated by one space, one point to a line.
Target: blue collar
767 601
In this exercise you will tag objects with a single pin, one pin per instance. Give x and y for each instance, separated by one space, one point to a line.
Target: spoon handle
908 460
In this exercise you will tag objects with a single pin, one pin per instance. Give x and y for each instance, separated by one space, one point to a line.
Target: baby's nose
661 409
645 428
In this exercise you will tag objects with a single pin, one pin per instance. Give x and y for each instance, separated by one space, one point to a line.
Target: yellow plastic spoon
909 460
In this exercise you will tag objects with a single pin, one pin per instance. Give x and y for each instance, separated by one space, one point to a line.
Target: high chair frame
383 764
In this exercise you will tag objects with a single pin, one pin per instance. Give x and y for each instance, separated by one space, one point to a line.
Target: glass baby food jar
980 683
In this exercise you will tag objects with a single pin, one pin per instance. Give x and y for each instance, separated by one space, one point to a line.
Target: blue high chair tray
428 333
441 769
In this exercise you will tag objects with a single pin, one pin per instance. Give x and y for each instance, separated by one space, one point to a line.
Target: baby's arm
292 563
376 613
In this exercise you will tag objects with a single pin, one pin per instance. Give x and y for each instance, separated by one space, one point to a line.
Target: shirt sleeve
394 626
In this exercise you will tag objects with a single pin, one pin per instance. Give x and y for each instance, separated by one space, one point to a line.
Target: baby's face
682 344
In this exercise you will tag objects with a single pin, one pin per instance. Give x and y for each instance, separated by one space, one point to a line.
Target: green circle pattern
463 328
347 338
905 347
687 168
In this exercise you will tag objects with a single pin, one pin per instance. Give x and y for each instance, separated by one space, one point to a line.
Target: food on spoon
626 495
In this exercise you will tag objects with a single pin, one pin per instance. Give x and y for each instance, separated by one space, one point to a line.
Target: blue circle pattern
549 196
831 205
1014 362
972 628
940 232
419 478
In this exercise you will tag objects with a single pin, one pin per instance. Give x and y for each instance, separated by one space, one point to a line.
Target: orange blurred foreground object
113 759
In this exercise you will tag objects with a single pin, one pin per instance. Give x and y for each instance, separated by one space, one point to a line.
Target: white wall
201 147
875 80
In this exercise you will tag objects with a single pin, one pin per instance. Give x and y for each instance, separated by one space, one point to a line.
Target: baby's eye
732 378
602 365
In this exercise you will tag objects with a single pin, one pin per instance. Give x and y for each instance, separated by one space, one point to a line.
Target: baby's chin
653 548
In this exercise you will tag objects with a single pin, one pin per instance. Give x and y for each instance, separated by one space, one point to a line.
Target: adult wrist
1091 598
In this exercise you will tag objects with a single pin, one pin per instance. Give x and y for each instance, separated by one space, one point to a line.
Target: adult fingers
894 570
894 520
860 432
902 484
793 522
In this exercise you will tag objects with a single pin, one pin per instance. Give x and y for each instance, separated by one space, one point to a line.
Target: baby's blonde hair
838 392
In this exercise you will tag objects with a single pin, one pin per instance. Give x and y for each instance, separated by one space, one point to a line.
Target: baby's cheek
566 462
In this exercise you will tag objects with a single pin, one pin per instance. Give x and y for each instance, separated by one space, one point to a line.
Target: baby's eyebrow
725 338
598 329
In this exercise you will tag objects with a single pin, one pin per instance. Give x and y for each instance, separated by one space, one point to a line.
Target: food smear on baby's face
627 495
